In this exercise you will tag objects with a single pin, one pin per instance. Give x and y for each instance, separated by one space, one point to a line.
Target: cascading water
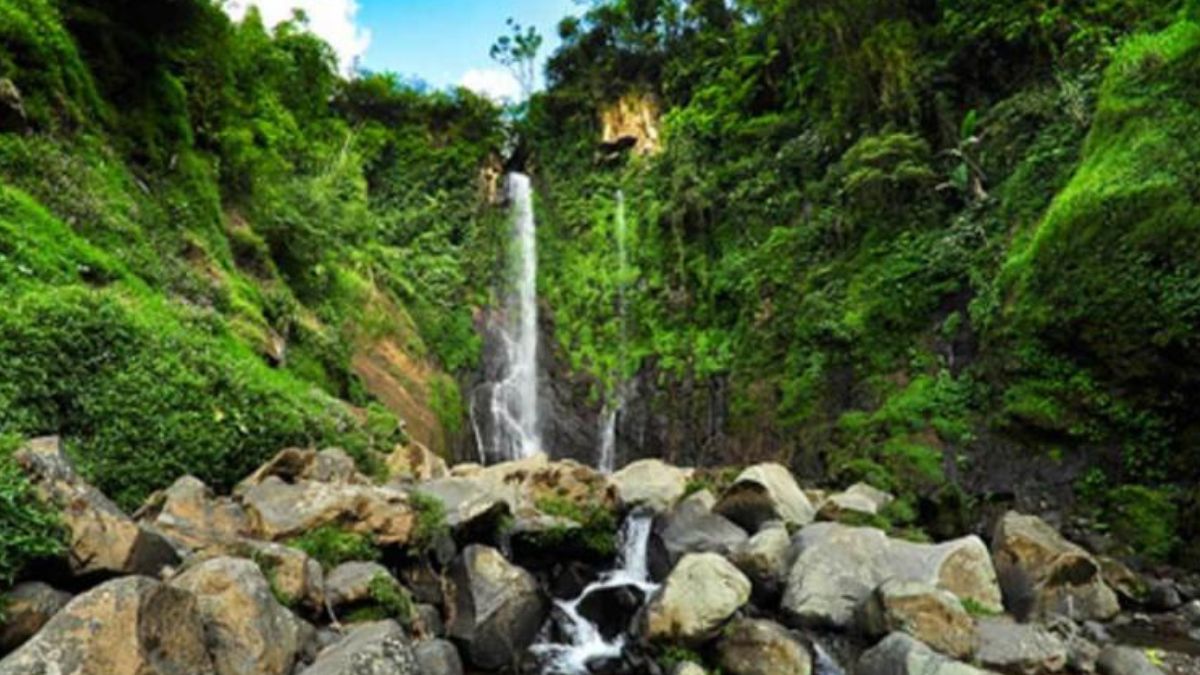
585 643
514 398
608 417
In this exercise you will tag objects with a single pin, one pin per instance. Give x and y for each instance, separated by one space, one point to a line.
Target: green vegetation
31 530
431 521
977 609
597 531
331 546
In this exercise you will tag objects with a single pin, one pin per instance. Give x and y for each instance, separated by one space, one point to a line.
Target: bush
1143 518
29 530
597 532
431 521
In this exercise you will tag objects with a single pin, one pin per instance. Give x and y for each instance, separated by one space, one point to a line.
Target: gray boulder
497 607
438 657
350 583
691 527
763 558
901 654
1125 661
697 598
651 483
762 493
380 648
128 626
1019 649
758 647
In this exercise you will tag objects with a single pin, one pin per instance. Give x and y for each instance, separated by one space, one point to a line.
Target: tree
518 52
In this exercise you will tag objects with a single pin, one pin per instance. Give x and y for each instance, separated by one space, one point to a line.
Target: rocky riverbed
536 566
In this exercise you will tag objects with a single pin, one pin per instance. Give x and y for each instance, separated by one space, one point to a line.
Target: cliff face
632 122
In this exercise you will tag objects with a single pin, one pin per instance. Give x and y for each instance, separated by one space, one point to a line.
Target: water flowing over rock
762 493
497 607
128 626
380 648
247 631
837 567
607 452
651 483
101 538
933 616
505 417
1043 574
758 647
901 654
699 595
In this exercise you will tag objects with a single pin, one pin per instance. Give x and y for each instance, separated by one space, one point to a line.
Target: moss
1143 518
431 522
29 529
597 531
331 546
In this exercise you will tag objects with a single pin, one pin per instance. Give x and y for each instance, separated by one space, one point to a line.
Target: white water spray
586 643
514 399
608 417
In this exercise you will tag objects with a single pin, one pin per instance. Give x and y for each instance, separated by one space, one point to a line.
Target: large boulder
1125 661
293 465
762 493
691 527
1043 574
837 567
349 584
102 540
699 595
763 558
759 647
248 631
933 616
901 654
415 462
280 510
380 648
470 504
438 657
188 513
128 626
496 607
1018 648
651 483
27 607
860 498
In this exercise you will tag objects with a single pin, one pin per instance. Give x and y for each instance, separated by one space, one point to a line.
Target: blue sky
444 42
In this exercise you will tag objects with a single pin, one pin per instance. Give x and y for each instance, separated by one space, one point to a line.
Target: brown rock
331 465
278 510
415 462
757 647
931 615
27 607
190 514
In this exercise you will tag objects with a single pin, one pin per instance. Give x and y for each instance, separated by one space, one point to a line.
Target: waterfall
585 642
514 398
612 409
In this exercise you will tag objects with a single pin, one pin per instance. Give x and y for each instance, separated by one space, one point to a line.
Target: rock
931 615
379 648
762 493
415 463
859 498
278 510
438 657
1191 612
691 528
758 647
688 668
350 583
101 538
497 608
901 654
293 465
525 482
1043 574
612 609
1019 649
428 622
27 607
763 558
699 595
1125 661
248 632
837 567
651 483
469 504
632 122
128 626
292 573
1129 585
189 513
1163 596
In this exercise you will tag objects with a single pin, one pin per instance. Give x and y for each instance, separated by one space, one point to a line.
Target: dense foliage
203 222
906 234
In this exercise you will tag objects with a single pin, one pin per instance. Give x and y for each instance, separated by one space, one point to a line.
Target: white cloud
335 21
495 83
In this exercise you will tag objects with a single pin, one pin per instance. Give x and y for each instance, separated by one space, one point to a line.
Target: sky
443 42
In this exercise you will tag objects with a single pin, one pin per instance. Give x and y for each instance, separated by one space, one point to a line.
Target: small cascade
513 402
609 415
584 641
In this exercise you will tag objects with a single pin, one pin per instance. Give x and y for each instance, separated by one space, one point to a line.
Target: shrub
331 546
431 521
29 530
598 526
1143 518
